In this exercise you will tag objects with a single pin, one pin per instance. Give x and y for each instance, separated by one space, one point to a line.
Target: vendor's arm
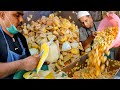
87 42
27 64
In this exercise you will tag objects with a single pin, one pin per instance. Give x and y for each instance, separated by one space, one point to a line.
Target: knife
69 67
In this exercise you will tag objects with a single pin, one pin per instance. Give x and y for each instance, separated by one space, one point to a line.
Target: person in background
14 52
88 31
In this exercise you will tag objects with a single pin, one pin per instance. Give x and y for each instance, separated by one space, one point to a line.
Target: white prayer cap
82 13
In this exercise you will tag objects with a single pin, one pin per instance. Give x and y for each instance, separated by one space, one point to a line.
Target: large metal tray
82 63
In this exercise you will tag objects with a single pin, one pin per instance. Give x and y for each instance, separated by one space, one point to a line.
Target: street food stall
65 54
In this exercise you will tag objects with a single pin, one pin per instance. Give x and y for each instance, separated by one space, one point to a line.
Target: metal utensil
69 67
41 53
117 74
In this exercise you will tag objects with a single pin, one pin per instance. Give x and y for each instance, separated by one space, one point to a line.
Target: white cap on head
82 13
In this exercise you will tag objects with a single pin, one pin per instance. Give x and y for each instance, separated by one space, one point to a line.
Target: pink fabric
111 21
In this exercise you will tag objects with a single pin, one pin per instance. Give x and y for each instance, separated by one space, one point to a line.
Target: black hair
20 12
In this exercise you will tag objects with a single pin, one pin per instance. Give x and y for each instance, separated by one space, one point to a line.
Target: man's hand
94 34
27 64
110 14
31 62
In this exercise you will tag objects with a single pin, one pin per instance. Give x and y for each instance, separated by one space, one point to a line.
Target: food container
111 20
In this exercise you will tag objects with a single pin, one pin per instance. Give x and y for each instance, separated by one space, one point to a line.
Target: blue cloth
12 56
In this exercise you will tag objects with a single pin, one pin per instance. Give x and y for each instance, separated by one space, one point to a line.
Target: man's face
15 17
86 21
